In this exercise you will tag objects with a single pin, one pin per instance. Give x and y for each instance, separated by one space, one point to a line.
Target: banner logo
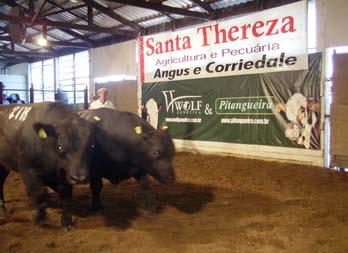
245 105
182 104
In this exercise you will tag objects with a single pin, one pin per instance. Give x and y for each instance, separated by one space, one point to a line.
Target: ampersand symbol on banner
208 110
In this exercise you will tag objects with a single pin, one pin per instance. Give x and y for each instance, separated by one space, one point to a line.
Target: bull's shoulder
40 106
130 121
115 122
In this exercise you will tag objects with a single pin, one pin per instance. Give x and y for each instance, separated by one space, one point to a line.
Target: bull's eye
92 147
156 154
60 149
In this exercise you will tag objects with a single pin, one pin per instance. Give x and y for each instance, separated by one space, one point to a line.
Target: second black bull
127 146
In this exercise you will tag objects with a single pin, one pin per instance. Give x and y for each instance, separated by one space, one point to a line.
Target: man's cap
102 90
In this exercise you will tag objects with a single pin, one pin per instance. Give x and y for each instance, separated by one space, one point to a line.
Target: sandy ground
219 204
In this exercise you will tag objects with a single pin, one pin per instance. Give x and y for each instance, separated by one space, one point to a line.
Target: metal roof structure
76 25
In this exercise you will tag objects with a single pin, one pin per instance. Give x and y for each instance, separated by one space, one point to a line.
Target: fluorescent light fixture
115 78
42 42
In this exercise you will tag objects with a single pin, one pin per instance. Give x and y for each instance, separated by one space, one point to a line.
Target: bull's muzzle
78 179
170 179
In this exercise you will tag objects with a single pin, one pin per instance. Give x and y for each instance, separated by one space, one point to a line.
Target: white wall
18 69
332 22
313 157
116 59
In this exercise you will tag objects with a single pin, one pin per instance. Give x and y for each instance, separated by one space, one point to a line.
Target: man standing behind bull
102 100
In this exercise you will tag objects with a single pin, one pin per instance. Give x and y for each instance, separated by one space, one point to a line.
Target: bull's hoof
150 203
4 217
153 208
39 216
66 221
146 214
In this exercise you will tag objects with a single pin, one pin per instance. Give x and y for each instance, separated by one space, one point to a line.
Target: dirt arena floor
219 204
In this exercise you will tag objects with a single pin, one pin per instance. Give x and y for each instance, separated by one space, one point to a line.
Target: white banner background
195 53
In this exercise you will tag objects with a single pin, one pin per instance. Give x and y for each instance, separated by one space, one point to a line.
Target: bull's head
72 144
159 155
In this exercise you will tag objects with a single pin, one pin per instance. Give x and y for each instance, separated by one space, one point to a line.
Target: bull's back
17 133
118 133
18 120
119 124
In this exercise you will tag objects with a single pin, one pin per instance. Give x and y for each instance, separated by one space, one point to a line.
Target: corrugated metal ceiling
143 18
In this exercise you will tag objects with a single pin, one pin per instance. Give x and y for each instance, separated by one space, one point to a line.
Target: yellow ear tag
138 129
96 118
42 134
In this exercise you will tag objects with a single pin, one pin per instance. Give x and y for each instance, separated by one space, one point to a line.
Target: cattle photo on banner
253 82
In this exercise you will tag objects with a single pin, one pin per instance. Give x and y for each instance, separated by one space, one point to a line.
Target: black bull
48 145
128 146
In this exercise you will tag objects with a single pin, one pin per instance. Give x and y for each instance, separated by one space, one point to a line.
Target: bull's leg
149 199
96 185
3 175
65 194
36 191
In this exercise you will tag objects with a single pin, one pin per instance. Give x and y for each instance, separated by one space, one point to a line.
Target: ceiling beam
31 8
114 15
59 24
65 27
53 43
22 53
239 9
89 42
4 56
96 29
72 33
66 10
63 10
235 10
109 41
5 29
38 12
262 4
89 12
205 6
25 57
163 8
78 35
12 60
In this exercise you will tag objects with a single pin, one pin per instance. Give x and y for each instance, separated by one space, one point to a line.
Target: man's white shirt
98 104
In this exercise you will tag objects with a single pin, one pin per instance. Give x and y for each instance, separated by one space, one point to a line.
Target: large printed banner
276 109
269 41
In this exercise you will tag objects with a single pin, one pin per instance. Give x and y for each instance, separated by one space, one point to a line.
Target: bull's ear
44 131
